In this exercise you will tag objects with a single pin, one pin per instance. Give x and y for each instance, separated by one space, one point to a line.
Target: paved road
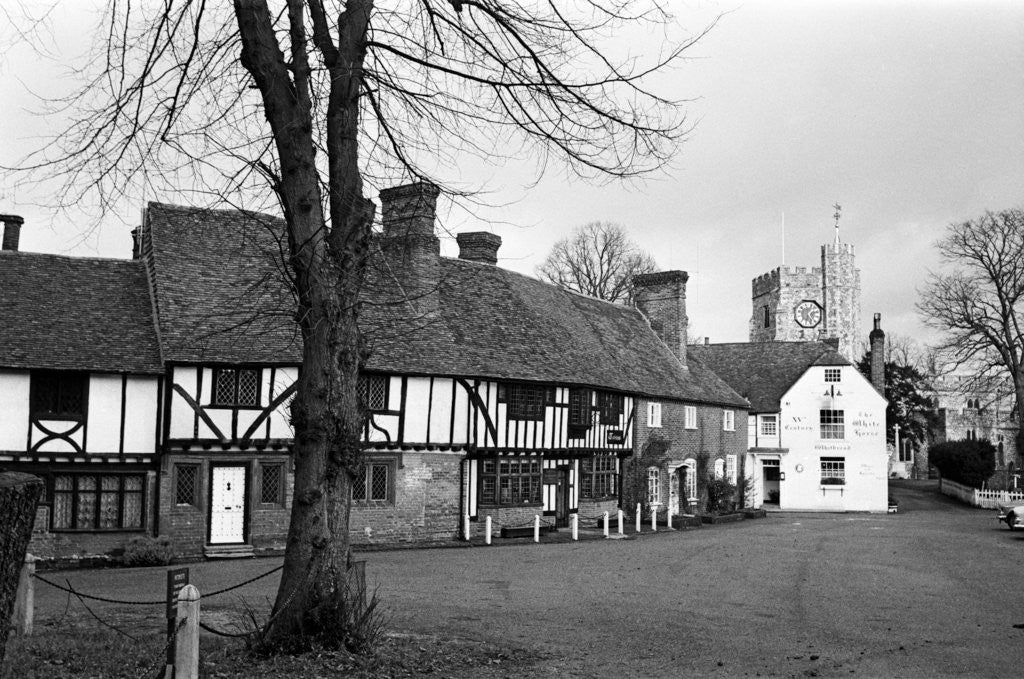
932 591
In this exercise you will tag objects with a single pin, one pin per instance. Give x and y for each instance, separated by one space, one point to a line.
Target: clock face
808 314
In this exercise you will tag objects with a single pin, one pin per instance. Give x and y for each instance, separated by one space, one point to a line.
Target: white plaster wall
103 421
440 412
863 447
280 428
140 415
14 409
181 414
417 409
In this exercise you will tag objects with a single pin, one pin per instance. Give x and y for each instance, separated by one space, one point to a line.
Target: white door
673 492
227 505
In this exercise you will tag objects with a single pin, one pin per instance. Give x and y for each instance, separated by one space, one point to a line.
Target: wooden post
19 496
606 524
536 527
487 530
622 516
24 604
575 526
186 641
637 517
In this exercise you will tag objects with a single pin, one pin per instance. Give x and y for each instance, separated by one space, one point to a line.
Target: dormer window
236 387
58 395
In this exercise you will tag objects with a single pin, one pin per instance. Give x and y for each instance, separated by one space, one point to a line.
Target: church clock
808 314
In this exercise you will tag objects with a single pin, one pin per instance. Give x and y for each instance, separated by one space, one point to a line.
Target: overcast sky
908 114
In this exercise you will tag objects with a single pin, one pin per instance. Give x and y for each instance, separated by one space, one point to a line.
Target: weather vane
837 214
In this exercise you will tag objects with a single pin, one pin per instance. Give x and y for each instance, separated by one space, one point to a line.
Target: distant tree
910 407
976 300
599 260
968 462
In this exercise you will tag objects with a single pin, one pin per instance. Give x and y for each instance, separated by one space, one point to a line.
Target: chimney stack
661 297
877 339
12 231
479 246
412 250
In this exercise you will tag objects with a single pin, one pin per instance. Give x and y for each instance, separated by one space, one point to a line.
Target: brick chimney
877 339
412 250
12 231
661 297
479 246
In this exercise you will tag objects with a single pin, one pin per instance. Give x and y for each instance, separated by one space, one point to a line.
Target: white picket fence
980 498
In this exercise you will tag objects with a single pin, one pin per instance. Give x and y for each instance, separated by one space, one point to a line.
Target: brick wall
708 439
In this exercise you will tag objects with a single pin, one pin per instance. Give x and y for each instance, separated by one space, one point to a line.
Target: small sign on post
177 578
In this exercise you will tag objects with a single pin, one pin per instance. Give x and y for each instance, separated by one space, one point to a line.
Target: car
1011 515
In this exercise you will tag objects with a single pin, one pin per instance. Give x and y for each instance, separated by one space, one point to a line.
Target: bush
147 551
721 495
968 462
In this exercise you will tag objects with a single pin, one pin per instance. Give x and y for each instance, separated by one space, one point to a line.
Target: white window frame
833 468
832 424
719 468
833 374
690 417
763 429
654 415
728 420
653 486
730 468
691 479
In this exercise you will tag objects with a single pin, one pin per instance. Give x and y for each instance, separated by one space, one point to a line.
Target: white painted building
816 432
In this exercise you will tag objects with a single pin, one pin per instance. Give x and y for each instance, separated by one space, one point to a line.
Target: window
833 471
58 394
769 425
580 417
97 501
833 374
271 478
832 424
690 480
690 417
653 486
186 484
611 407
654 415
719 468
510 481
597 478
730 468
374 482
728 420
906 453
525 401
373 392
767 315
236 387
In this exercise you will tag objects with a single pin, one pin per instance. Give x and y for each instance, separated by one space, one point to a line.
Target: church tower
793 304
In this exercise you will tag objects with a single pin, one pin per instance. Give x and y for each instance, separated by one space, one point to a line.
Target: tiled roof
763 371
73 313
491 323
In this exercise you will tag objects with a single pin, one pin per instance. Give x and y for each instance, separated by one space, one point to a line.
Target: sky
910 115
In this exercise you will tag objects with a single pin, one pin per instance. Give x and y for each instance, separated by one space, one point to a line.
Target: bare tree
599 260
326 101
976 302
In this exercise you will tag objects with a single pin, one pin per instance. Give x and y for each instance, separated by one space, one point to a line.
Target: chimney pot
479 246
12 231
410 247
409 209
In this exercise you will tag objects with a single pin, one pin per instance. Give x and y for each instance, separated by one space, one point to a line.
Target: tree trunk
19 495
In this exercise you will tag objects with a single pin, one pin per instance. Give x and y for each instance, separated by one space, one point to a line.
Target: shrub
148 551
968 462
721 494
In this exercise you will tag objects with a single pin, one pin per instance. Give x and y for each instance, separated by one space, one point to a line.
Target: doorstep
229 551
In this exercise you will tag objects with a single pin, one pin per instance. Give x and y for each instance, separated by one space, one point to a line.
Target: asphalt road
933 591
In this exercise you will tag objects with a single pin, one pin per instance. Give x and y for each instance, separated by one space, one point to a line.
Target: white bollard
668 519
654 519
606 524
622 517
487 531
465 527
637 517
24 601
186 640
536 527
575 526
